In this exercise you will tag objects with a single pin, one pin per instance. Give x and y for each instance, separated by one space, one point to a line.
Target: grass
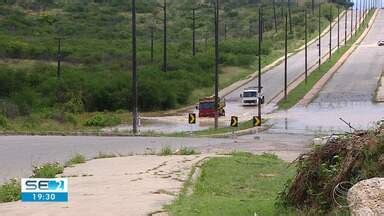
243 184
76 159
213 132
187 151
104 155
303 88
167 151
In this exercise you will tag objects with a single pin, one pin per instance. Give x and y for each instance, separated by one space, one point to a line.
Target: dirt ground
135 185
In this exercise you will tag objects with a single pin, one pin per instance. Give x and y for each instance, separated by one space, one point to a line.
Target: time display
44 196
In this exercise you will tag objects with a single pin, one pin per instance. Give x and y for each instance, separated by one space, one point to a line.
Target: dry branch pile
349 157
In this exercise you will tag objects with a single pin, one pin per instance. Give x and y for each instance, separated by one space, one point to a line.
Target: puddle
324 118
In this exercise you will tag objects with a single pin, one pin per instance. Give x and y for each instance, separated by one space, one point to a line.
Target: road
273 80
19 153
348 95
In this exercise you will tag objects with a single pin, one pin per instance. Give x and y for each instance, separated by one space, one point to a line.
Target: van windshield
250 94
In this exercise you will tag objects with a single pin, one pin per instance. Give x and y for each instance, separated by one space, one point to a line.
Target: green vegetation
76 159
166 151
104 155
96 56
303 88
242 184
100 120
344 158
48 170
10 191
187 151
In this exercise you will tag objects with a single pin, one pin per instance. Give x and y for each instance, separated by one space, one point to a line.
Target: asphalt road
273 80
19 153
348 95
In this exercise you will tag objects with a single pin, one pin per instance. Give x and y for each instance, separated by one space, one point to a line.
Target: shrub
3 122
49 170
102 120
10 191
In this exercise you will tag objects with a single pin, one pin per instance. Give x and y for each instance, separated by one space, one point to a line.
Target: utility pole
217 13
59 56
134 72
152 42
338 27
359 12
330 31
351 21
319 36
290 17
356 20
194 31
274 14
306 46
346 26
286 59
259 52
165 37
313 6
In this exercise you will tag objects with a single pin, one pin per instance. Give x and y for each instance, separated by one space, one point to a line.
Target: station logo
44 190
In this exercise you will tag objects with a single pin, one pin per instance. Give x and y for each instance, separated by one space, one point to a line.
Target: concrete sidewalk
136 185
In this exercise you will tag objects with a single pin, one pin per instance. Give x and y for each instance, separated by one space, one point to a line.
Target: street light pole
134 72
217 13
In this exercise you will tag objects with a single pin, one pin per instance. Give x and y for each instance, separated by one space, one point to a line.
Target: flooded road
348 95
322 118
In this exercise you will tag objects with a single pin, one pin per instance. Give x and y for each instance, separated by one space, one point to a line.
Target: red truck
206 107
